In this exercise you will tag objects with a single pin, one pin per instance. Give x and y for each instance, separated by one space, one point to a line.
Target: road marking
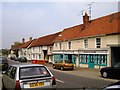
59 80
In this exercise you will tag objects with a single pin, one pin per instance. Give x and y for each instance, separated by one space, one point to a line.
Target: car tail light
53 81
17 85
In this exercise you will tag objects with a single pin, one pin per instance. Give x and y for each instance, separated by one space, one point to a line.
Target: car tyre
105 74
62 68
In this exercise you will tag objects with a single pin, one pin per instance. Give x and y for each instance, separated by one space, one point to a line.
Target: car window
117 65
13 72
68 61
8 72
31 72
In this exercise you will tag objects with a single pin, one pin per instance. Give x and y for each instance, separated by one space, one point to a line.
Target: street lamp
63 43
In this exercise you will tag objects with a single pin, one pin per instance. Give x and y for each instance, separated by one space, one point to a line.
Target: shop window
83 58
98 42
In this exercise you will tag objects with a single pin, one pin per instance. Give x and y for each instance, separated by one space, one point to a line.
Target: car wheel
62 68
104 74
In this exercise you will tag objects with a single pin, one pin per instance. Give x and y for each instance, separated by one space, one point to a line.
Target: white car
28 76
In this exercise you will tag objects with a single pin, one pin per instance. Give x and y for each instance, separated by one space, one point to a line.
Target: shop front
93 58
65 56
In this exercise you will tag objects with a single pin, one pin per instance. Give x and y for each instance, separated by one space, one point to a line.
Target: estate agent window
98 42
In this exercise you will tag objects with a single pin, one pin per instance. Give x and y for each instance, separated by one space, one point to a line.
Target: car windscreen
33 72
68 61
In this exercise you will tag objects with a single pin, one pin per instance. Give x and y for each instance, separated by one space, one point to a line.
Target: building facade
93 44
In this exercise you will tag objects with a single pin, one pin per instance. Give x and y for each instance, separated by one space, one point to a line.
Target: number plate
36 84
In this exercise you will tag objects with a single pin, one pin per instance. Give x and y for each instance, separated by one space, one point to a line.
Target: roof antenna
90 7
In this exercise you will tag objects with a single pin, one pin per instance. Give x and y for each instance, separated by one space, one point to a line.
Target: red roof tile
45 40
104 25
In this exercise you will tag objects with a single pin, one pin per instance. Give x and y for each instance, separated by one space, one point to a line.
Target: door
90 61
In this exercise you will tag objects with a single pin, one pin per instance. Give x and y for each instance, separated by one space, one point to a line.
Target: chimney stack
23 40
30 39
85 19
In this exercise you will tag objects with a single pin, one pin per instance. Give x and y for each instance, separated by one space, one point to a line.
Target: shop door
90 61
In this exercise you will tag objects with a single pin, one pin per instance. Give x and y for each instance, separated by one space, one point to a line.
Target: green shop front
93 58
65 56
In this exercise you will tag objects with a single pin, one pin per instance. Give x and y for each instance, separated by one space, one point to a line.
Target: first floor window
98 42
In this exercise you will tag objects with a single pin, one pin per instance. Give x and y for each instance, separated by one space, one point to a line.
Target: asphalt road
71 81
67 80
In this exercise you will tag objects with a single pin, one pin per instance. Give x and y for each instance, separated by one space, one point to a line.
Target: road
67 80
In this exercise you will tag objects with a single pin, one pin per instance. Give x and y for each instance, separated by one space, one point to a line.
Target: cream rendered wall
112 39
75 45
91 43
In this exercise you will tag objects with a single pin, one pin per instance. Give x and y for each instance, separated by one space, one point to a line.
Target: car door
117 70
13 77
6 78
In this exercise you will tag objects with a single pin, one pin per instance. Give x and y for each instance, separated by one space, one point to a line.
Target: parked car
113 71
30 76
14 58
22 59
63 64
114 86
3 63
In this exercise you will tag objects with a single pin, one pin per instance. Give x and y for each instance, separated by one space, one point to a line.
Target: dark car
3 63
22 59
113 71
14 58
114 86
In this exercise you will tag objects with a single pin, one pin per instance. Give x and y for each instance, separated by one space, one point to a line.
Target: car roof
25 65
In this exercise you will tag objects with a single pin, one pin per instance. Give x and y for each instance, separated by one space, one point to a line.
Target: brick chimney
85 20
23 40
30 39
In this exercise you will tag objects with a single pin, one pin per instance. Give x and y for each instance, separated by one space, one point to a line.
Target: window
86 43
33 55
69 45
50 49
60 45
39 56
98 42
29 72
83 58
39 49
56 45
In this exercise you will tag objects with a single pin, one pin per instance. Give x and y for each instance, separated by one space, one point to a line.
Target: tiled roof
45 40
104 25
26 44
17 46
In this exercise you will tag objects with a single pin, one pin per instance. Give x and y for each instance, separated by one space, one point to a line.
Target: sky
20 19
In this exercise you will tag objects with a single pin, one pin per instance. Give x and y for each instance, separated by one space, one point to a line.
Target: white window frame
97 43
85 43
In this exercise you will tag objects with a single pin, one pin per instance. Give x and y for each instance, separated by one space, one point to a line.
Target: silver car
28 76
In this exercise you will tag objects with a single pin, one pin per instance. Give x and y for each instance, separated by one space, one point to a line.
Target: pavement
83 72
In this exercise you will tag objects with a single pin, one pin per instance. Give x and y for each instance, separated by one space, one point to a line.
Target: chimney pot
85 19
30 38
23 40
